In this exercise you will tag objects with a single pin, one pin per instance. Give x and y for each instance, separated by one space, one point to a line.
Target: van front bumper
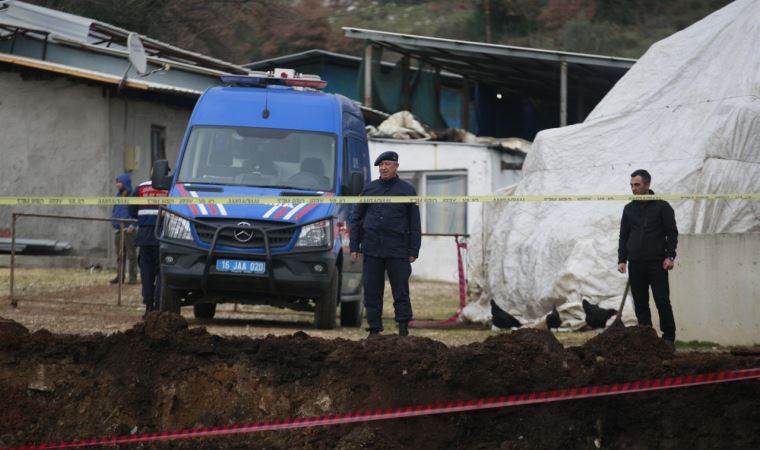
303 275
189 266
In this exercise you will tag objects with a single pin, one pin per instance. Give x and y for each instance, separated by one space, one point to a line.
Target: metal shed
550 88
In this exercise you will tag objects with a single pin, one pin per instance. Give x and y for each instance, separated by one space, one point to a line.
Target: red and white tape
422 410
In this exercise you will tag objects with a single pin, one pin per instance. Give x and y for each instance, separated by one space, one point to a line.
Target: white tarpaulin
689 112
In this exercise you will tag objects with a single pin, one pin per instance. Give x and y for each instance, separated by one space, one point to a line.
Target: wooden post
120 266
466 105
563 93
406 102
368 76
14 303
437 89
487 7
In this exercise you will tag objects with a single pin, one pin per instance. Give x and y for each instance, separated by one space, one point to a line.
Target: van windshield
262 157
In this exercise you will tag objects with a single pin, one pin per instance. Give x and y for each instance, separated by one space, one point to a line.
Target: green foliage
245 30
584 36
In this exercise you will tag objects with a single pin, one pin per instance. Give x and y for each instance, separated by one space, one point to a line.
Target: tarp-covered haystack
689 112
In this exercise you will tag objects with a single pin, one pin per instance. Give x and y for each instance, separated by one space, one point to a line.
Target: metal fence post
15 216
14 303
120 266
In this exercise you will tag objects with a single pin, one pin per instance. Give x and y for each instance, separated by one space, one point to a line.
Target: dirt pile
161 376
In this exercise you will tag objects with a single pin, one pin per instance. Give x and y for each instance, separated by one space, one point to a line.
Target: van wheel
204 310
170 298
351 313
327 304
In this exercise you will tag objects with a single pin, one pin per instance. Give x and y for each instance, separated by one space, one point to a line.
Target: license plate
240 266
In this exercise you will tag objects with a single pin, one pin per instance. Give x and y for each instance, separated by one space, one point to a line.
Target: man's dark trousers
150 275
399 270
642 275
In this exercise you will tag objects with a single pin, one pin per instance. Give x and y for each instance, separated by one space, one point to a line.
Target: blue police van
266 134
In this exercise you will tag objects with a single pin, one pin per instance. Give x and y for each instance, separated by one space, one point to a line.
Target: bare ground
73 301
104 372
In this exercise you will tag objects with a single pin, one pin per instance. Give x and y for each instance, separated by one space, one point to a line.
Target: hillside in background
242 31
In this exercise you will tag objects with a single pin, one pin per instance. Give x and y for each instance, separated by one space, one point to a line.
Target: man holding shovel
647 246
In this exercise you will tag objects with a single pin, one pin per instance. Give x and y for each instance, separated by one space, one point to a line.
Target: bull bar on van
187 228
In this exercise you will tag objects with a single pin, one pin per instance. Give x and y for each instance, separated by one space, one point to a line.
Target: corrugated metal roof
57 23
411 42
84 31
515 69
94 76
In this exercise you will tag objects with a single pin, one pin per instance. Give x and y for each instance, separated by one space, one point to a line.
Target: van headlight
316 234
176 227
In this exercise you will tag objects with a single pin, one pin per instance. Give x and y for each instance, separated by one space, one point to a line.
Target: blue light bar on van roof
282 77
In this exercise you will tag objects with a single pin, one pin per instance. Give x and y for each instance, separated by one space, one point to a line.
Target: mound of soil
162 376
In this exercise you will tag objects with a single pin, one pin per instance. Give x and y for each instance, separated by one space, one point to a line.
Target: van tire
170 298
204 310
352 313
327 305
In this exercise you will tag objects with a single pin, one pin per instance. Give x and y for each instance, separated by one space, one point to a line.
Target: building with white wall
76 114
449 168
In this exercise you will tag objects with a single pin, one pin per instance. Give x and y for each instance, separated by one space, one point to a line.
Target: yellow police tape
272 200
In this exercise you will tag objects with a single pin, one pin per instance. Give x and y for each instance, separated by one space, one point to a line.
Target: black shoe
373 333
403 328
148 310
670 343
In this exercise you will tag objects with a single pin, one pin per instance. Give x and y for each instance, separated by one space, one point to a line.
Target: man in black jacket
389 237
648 240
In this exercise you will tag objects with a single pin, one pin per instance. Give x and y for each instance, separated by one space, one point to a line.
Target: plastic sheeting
689 112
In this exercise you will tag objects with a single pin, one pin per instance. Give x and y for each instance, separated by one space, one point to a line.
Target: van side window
357 151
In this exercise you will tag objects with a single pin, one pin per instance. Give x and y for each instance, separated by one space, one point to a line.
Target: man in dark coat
388 235
648 240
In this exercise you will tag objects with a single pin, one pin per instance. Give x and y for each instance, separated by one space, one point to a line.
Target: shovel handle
622 302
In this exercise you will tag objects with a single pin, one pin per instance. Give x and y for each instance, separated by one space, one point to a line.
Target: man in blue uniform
388 235
148 259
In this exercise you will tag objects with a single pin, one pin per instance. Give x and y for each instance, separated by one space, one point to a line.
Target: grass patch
697 345
40 281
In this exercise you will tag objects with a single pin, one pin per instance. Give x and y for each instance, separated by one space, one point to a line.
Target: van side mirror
356 184
159 175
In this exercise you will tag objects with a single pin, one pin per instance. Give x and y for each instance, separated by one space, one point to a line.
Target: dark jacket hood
126 181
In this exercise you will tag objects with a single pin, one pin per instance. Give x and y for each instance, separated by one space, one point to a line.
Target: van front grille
244 236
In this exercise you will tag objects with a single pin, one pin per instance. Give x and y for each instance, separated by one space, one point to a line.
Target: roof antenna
265 113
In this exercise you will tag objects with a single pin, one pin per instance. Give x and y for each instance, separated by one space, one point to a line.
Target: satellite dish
137 55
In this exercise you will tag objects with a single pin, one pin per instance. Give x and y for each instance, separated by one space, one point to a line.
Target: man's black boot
373 333
403 328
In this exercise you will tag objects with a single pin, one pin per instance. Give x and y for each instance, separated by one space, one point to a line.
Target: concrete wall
63 137
135 131
438 256
715 288
54 142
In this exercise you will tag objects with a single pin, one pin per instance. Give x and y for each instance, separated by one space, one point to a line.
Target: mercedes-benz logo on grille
245 233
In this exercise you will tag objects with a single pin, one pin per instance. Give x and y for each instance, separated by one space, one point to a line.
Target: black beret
386 156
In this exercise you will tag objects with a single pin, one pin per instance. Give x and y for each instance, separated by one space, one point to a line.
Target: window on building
448 218
157 143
